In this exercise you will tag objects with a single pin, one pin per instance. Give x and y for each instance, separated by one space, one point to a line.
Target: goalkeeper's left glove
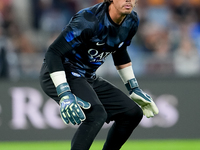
141 98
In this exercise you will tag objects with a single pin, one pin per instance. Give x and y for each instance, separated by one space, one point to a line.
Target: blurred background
165 53
167 42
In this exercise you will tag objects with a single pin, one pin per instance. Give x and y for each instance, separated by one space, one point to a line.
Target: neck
115 15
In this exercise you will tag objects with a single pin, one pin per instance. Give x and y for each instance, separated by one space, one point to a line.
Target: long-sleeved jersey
89 38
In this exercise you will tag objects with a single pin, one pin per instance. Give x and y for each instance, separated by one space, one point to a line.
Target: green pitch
97 145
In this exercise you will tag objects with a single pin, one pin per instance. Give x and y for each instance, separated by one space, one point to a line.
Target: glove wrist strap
62 89
131 84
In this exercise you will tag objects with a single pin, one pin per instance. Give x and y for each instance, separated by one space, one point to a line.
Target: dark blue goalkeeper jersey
89 38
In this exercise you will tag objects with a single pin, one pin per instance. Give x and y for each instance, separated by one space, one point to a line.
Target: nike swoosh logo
99 44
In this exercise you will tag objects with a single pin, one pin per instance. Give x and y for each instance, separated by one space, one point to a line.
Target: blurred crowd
167 42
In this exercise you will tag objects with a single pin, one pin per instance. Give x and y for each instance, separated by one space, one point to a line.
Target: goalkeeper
68 74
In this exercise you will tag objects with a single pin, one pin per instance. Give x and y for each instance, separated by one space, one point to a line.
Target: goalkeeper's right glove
70 110
142 99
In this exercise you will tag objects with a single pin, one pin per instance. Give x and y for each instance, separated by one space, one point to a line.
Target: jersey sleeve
121 56
72 36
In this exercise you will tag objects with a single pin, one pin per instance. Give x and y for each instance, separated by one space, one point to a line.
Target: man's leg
95 116
122 128
86 133
120 108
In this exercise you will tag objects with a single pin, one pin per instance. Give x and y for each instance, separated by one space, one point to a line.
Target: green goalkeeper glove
70 109
141 98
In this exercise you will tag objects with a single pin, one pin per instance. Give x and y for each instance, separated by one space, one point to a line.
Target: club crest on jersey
75 74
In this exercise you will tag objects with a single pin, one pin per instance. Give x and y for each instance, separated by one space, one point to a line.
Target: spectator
186 59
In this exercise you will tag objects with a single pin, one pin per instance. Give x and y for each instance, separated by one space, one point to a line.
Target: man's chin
127 12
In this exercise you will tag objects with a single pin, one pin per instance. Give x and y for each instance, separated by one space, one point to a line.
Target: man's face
124 7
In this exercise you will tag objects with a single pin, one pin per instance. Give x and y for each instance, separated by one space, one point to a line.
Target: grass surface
97 145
